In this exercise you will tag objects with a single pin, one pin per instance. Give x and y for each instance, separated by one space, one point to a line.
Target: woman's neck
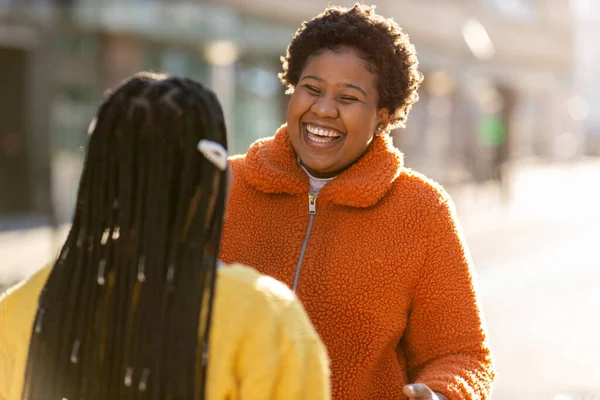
320 175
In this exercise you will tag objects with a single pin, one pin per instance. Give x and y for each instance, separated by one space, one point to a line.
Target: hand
420 391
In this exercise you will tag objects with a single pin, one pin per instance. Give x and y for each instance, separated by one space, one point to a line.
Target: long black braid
125 313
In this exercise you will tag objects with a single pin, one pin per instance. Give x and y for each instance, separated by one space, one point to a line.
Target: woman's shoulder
248 295
25 290
420 188
255 150
253 299
240 280
18 307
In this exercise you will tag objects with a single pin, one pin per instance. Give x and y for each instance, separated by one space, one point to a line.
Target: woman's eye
312 89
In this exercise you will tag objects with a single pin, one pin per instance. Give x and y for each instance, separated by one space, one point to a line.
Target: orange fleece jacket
386 276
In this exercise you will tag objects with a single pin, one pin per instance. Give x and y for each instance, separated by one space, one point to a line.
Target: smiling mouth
319 135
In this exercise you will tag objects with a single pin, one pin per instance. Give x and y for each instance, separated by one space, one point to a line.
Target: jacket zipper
312 211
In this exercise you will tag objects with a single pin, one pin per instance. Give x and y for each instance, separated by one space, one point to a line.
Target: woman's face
333 113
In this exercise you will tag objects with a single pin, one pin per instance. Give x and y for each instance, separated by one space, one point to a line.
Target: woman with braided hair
126 311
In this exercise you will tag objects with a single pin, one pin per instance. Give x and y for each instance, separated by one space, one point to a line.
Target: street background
508 122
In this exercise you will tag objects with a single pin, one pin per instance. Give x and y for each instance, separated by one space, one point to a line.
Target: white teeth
318 140
316 130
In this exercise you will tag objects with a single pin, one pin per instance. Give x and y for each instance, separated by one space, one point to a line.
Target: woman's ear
383 119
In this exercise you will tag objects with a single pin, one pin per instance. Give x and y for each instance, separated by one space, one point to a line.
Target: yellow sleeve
283 358
18 307
6 356
303 371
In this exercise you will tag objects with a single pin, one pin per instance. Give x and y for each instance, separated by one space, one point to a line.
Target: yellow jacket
262 344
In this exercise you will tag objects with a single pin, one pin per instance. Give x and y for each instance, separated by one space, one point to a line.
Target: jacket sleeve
13 335
18 307
445 342
285 360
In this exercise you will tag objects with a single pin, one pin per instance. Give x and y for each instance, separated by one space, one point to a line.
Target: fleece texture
386 276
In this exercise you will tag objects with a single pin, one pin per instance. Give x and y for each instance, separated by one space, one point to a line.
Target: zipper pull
312 204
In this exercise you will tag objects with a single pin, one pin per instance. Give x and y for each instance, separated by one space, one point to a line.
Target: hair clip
128 377
75 351
170 274
144 380
141 272
214 152
92 126
101 279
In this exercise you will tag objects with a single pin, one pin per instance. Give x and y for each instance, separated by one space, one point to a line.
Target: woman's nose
325 108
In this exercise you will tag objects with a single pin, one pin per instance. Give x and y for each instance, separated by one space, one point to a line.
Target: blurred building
586 105
498 75
24 132
57 60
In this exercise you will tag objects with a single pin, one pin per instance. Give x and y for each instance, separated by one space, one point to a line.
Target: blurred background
508 122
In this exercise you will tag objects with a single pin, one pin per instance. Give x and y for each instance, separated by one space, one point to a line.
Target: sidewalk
537 192
540 195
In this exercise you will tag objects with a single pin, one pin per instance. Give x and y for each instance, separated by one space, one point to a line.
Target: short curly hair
379 40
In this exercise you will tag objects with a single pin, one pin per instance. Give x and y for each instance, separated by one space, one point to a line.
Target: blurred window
175 60
521 10
80 46
259 93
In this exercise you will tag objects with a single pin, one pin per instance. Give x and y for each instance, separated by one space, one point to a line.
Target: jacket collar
271 166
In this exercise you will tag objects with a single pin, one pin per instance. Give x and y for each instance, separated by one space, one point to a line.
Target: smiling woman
377 258
334 111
